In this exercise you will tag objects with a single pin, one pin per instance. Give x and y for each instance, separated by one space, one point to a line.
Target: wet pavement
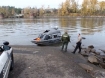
46 62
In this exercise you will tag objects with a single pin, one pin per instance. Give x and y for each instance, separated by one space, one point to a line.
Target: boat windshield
48 37
41 35
46 31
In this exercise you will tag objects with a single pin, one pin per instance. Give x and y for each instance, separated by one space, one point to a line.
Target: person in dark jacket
65 40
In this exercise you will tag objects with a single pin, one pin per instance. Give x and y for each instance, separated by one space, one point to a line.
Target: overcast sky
33 3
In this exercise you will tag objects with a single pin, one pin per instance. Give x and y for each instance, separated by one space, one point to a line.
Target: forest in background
67 8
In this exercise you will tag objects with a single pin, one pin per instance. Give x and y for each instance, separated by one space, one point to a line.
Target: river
23 31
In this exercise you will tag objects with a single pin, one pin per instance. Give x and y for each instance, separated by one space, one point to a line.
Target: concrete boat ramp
47 62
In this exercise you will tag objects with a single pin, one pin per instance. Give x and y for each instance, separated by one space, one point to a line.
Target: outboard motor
6 43
6 46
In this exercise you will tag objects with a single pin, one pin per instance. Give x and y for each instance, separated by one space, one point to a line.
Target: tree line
87 8
67 8
8 11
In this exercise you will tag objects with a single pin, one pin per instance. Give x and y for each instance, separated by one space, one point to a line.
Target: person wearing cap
78 44
65 40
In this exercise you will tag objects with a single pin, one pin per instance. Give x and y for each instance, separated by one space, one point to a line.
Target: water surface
23 31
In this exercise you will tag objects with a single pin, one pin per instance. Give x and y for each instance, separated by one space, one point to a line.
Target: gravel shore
46 62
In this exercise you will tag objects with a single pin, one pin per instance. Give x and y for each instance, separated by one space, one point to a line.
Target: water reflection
68 22
22 31
86 25
91 25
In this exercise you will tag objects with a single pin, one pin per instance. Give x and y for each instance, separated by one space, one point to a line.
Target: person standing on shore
78 44
65 40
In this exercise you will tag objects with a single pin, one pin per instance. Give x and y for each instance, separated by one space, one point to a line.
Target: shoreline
70 47
49 62
54 16
46 62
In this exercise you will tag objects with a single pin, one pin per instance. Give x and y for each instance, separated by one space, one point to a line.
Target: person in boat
65 40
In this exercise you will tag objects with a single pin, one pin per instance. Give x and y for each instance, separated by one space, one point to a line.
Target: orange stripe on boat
37 39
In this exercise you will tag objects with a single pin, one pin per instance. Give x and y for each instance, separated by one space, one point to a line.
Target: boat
6 61
48 37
